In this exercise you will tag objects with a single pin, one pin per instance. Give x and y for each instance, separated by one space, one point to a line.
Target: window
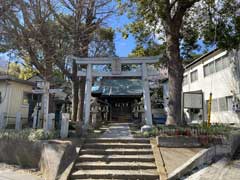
221 63
209 69
185 80
229 103
194 76
222 104
214 106
215 66
26 97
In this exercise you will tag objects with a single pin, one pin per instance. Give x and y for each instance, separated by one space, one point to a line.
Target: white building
15 96
217 72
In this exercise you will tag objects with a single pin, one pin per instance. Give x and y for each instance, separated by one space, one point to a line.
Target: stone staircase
110 158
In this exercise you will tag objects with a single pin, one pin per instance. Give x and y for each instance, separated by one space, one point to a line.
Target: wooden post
64 125
87 98
2 121
146 96
18 125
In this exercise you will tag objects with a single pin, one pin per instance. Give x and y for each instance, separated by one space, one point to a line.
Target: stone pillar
87 98
94 119
46 106
50 122
146 96
18 124
94 113
64 125
2 121
142 114
34 122
107 113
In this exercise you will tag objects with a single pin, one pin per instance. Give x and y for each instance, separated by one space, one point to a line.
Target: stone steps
110 158
115 151
115 165
119 174
116 145
111 140
116 158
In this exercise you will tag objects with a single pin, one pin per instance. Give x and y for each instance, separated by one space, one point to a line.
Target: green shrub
28 134
146 134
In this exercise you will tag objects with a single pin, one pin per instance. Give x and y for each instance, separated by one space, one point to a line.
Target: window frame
195 72
23 97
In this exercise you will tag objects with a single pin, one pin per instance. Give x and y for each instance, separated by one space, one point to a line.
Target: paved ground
117 130
224 169
13 175
175 157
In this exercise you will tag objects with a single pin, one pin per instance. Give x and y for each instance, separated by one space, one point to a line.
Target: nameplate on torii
116 66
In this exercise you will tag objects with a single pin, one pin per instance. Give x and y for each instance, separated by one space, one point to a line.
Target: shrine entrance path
118 131
116 155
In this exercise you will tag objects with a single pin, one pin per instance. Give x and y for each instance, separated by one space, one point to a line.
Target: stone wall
51 157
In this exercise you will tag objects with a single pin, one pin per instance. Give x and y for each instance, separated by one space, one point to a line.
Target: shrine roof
119 87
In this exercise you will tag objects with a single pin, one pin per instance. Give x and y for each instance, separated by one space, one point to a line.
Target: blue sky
123 46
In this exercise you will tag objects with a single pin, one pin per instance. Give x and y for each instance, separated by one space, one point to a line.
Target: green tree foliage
180 24
21 71
48 30
27 29
102 44
14 69
215 22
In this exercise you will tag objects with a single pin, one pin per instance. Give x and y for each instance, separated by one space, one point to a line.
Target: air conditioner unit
236 107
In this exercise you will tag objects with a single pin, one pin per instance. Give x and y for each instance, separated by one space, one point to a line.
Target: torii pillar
87 98
146 96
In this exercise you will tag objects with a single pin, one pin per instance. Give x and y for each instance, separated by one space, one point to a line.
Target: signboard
51 91
38 91
40 84
42 91
193 100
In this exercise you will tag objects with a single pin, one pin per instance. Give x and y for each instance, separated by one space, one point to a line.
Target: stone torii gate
116 65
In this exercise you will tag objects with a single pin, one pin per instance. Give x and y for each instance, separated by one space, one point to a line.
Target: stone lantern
95 109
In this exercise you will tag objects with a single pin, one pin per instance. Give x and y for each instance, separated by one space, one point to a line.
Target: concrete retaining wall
179 141
203 157
227 148
51 157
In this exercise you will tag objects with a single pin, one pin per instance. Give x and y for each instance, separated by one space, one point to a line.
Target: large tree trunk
84 53
75 89
175 77
81 98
